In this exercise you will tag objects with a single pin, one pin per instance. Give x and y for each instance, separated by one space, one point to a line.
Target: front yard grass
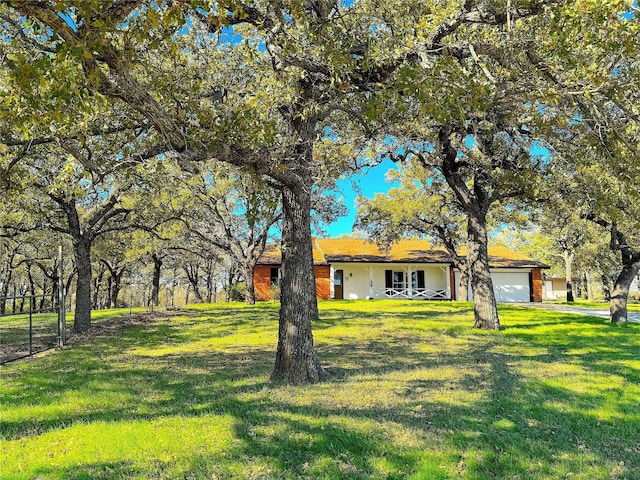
415 393
633 305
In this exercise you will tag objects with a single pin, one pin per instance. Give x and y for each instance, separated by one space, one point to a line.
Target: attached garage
508 286
511 286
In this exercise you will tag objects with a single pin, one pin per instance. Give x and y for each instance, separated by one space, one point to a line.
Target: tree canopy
205 123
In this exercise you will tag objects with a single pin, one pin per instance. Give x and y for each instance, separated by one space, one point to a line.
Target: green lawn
415 393
632 305
14 334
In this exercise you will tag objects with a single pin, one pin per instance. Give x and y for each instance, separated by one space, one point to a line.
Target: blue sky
367 183
373 180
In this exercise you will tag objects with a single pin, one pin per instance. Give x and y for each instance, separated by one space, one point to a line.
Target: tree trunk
210 267
67 288
231 279
588 288
155 282
5 281
606 287
620 294
250 290
116 286
296 360
568 264
14 303
96 287
3 286
173 288
45 289
82 314
475 200
197 294
23 292
193 275
109 291
484 300
463 287
54 288
4 293
32 284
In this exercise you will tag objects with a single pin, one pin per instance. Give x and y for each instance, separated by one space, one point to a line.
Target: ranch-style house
412 269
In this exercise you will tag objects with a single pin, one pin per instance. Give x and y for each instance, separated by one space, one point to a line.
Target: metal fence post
59 310
31 325
62 318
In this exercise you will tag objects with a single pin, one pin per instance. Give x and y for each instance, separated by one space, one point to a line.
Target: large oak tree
306 61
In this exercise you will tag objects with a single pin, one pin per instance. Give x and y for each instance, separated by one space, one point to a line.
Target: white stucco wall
355 280
436 277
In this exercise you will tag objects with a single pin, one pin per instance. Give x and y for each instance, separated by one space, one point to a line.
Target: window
394 279
417 280
275 276
398 280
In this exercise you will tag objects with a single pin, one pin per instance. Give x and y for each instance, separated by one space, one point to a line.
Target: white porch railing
410 293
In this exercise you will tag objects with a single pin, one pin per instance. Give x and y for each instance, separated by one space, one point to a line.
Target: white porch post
448 274
371 292
332 294
408 284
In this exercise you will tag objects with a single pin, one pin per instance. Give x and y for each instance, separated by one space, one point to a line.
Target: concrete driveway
592 312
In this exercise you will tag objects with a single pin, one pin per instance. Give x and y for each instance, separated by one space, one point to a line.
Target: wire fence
31 324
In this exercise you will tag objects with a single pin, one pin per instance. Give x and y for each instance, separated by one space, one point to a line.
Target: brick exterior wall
262 282
323 282
536 284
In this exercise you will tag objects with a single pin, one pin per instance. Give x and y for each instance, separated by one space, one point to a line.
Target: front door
337 285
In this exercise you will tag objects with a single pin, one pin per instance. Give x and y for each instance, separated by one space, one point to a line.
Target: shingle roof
272 255
357 250
331 250
506 258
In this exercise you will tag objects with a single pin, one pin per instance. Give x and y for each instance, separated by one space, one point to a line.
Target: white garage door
511 287
508 286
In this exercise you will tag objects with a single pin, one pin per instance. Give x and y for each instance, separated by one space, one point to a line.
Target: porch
410 293
353 281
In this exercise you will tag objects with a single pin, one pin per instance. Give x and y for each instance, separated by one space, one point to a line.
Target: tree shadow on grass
90 471
532 420
515 426
523 429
